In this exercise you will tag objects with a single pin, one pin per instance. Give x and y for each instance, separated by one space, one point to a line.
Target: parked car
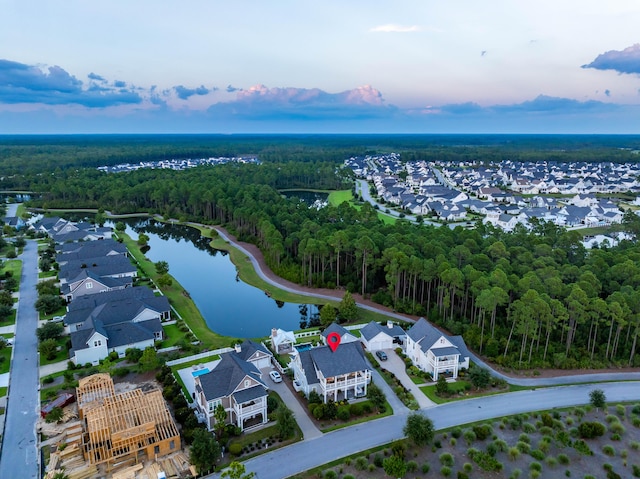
57 319
275 376
382 356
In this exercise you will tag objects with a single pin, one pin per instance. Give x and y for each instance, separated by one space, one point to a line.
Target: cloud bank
625 61
35 99
21 83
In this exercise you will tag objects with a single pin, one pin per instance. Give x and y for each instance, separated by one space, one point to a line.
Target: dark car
382 356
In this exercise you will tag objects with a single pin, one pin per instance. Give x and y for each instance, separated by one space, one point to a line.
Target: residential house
345 335
127 305
432 351
375 336
100 336
237 385
254 353
111 266
334 375
282 341
85 250
87 282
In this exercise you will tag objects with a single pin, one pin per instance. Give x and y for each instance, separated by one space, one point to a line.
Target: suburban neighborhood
503 195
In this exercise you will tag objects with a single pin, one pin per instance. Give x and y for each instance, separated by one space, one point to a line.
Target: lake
230 306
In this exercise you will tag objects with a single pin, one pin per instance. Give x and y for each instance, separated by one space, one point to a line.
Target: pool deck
187 377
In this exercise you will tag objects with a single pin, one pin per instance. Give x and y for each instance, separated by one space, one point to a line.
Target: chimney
390 324
238 348
274 332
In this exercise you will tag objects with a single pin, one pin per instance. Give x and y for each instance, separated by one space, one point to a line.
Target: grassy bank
178 298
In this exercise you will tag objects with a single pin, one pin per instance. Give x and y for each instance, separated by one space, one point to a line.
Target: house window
156 449
247 383
172 444
97 343
89 285
214 404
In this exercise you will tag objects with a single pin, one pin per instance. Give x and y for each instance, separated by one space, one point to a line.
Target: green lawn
173 335
15 266
47 274
3 391
62 355
10 320
336 198
59 312
5 360
459 387
359 420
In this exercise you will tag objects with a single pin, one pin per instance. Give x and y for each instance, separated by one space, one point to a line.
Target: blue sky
415 66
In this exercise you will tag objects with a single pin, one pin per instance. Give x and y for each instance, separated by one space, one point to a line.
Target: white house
334 375
254 353
237 385
375 337
434 352
282 341
345 335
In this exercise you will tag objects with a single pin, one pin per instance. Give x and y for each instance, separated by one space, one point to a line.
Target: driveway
20 456
395 364
308 428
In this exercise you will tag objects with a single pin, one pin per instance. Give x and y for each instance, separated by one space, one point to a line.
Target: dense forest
528 299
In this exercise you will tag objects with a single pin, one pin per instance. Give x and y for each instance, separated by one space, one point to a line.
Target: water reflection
229 305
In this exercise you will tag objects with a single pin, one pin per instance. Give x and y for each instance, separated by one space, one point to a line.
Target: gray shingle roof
348 358
448 351
248 348
372 329
119 311
334 328
250 394
424 333
227 375
130 333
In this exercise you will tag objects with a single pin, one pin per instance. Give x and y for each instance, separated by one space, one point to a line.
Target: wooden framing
121 427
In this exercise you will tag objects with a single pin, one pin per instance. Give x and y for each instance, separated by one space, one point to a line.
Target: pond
312 198
230 306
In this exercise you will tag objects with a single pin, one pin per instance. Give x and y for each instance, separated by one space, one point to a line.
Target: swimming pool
199 372
303 347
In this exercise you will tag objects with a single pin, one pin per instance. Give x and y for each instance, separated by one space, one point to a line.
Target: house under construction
121 428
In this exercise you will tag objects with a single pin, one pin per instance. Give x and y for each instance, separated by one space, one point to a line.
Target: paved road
20 457
305 455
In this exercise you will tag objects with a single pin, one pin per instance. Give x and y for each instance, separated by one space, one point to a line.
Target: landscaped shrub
538 454
467 467
528 428
547 419
343 413
523 447
589 430
582 448
636 470
482 431
514 453
611 418
551 461
563 459
501 445
469 436
378 460
446 459
617 428
609 450
515 474
445 471
563 438
355 409
621 410
361 463
524 438
462 475
485 461
426 467
535 466
330 474
235 449
412 466
456 432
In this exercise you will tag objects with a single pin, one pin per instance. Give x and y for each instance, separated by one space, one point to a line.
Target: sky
295 66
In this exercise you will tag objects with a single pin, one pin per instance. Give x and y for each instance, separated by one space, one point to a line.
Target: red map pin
333 341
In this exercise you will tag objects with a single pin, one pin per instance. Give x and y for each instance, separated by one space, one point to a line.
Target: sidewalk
53 368
11 329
